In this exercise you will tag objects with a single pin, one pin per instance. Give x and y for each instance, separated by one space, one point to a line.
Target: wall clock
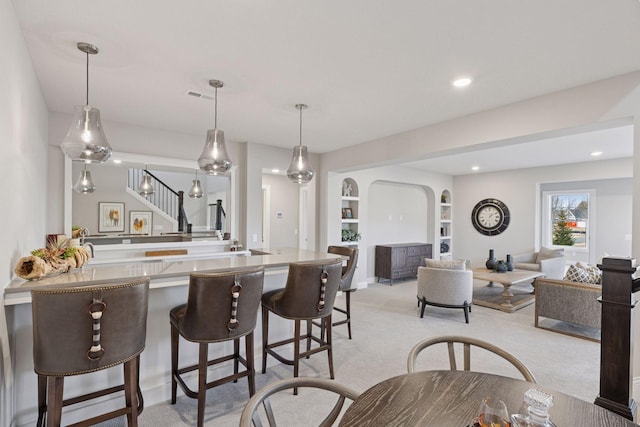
490 217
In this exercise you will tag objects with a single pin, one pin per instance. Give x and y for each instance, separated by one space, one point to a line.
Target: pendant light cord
87 78
301 127
215 116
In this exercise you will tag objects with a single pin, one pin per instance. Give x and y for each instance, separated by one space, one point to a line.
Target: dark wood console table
400 260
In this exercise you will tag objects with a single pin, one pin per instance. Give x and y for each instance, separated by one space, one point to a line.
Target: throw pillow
546 253
595 275
576 274
449 264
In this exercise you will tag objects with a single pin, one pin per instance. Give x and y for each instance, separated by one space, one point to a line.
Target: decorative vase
510 264
501 266
491 262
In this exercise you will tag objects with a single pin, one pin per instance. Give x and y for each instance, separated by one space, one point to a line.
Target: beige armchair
551 262
443 287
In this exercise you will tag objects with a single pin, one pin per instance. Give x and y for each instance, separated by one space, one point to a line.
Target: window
568 219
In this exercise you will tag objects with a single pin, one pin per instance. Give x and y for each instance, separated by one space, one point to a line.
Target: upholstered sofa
551 262
571 302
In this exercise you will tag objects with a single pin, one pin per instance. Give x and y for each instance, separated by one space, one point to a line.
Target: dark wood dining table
452 398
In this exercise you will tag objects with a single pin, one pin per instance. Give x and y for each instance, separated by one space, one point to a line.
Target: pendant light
214 159
84 184
145 189
85 139
196 189
300 170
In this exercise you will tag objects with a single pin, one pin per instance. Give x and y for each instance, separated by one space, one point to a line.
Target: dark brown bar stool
345 283
83 330
309 294
220 307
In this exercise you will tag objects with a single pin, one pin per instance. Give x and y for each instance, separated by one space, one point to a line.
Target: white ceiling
366 68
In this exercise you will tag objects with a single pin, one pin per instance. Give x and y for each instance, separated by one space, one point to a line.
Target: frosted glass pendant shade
145 189
196 188
214 159
84 184
85 139
300 170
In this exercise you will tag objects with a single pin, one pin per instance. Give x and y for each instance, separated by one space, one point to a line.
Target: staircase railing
164 197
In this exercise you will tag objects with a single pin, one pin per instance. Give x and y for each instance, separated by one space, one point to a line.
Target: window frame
547 230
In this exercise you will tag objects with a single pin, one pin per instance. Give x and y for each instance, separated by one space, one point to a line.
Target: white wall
519 190
396 213
262 157
283 211
23 166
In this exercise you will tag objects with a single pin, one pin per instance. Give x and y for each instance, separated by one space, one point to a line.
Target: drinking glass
493 413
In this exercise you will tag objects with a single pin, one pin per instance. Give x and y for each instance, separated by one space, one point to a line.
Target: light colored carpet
386 324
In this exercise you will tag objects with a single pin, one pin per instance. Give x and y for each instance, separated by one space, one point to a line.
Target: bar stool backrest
349 269
81 330
208 315
302 295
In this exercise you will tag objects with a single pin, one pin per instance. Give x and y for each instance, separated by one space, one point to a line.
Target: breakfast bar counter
169 279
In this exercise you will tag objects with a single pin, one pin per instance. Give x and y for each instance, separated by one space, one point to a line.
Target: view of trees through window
569 219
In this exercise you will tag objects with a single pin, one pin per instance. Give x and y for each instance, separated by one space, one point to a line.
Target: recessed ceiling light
475 168
275 170
596 153
118 161
462 82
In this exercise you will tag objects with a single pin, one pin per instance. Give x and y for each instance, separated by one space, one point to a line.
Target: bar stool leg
328 325
55 386
348 298
174 363
42 400
265 338
296 351
131 391
248 342
236 355
309 326
202 381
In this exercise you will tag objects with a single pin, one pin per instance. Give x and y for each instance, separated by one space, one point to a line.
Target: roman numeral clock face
490 217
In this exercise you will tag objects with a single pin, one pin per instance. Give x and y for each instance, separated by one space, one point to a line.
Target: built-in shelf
350 215
446 224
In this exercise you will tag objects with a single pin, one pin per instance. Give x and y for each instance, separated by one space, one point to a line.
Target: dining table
452 398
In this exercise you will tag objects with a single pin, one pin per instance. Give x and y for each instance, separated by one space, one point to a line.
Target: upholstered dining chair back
310 290
466 342
350 268
208 315
81 330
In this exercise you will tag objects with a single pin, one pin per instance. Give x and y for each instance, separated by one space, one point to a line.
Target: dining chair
80 331
467 343
220 307
251 415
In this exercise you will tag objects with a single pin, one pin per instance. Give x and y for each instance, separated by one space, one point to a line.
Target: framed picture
347 213
140 222
110 217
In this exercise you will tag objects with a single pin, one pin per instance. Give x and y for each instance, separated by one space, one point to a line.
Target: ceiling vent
199 95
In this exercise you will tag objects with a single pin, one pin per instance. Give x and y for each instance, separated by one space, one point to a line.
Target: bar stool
220 307
83 330
309 294
345 282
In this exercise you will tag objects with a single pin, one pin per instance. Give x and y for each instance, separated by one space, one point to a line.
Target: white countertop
158 270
